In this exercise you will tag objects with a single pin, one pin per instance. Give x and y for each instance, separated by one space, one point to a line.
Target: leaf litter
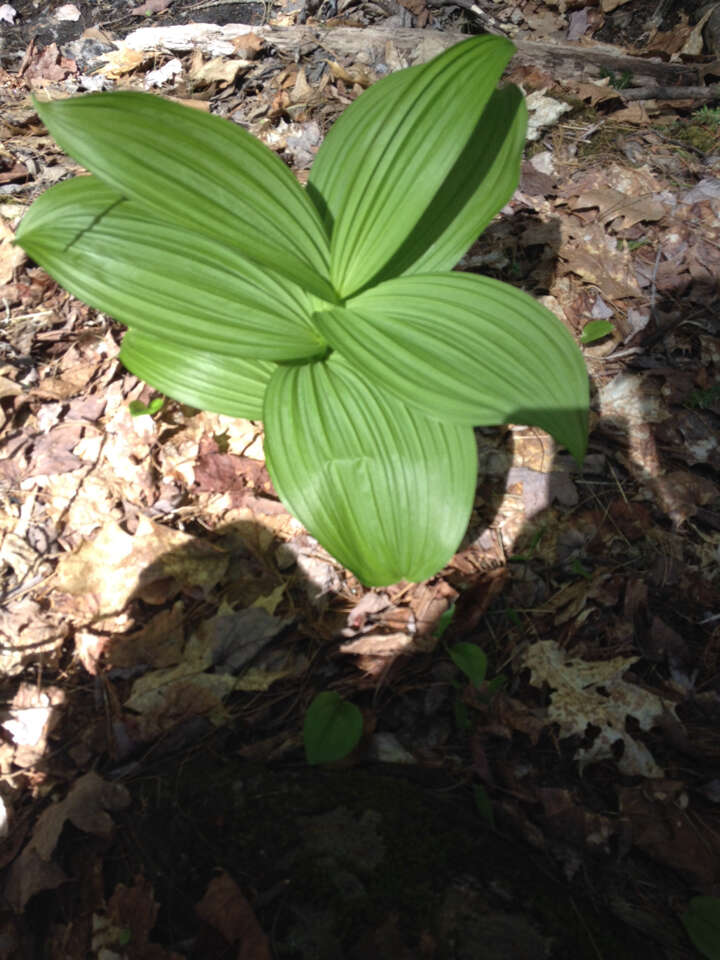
157 597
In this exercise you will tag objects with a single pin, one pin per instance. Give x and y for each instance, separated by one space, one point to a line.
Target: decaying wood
704 94
398 47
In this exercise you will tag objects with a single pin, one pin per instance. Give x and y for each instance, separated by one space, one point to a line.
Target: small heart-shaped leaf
471 660
332 728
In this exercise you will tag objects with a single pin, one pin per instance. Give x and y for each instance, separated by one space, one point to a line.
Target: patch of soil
352 863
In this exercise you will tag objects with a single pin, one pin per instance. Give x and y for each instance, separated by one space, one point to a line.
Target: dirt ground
165 623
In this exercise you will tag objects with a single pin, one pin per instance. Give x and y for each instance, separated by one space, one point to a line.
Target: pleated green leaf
389 154
163 279
387 490
230 385
479 185
198 170
466 349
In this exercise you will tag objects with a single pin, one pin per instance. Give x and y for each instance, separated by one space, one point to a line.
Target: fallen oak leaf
577 702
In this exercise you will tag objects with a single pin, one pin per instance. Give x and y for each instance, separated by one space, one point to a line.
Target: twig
672 93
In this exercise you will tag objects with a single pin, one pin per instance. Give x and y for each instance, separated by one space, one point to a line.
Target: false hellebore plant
331 312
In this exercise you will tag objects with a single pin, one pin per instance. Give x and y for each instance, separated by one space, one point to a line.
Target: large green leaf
388 155
230 385
167 280
385 489
198 170
479 185
467 349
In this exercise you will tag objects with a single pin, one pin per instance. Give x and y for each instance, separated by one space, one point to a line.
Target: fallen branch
672 93
375 45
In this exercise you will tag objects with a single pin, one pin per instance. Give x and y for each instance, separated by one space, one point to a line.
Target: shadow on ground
373 859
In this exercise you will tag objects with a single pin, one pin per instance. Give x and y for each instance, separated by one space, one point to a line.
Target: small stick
672 93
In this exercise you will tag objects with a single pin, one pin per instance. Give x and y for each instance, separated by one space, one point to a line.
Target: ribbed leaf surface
198 170
230 385
169 281
466 349
388 155
385 489
479 185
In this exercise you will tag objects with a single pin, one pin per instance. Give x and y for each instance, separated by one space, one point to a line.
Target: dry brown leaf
597 92
86 806
116 63
10 257
34 713
248 45
217 70
608 5
635 112
29 634
576 702
159 643
613 204
48 67
663 827
130 916
149 7
610 272
106 572
225 908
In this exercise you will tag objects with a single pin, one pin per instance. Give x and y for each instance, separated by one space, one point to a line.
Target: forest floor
165 623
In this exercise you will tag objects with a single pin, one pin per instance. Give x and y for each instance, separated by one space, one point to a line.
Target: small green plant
617 81
708 115
596 330
332 728
469 658
138 409
703 399
331 313
702 923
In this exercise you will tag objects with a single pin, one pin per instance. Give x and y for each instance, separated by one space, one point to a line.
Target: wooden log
385 49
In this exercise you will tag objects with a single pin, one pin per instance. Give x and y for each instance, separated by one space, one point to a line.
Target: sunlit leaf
385 489
198 170
480 183
467 349
596 330
163 279
139 409
388 155
332 728
209 381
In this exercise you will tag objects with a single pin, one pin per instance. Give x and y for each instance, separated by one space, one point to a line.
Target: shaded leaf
385 489
702 922
471 660
483 804
332 728
444 622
